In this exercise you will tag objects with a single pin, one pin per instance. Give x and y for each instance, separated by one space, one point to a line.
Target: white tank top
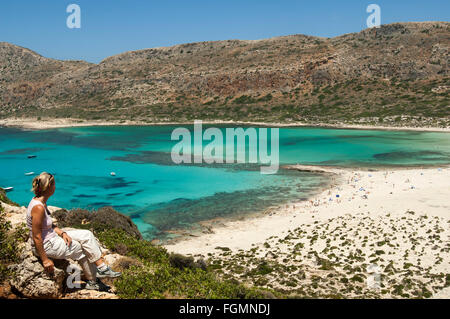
47 225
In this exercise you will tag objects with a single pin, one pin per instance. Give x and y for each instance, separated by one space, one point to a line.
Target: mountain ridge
380 73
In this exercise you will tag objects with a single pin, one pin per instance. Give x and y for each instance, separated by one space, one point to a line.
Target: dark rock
102 219
121 249
180 261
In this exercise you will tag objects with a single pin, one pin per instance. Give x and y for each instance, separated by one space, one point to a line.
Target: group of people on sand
51 242
356 177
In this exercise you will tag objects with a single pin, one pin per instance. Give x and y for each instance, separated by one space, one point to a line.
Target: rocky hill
380 74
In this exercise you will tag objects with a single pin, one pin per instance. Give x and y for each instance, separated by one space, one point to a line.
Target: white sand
424 191
34 124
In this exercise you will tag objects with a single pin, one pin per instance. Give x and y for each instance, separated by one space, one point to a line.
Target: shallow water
161 196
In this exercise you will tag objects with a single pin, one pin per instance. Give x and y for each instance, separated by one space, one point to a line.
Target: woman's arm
58 230
63 234
38 215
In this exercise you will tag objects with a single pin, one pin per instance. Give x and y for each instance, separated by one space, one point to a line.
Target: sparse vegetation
294 266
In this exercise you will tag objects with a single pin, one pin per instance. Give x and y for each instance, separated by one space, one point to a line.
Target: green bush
244 99
266 98
169 276
116 240
170 282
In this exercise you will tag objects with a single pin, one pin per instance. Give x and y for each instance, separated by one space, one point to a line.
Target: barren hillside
377 75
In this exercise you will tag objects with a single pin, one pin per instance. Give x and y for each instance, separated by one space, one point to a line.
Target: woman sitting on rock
52 242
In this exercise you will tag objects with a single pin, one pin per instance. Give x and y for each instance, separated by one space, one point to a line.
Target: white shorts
84 244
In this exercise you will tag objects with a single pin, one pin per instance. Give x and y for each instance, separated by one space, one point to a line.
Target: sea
165 199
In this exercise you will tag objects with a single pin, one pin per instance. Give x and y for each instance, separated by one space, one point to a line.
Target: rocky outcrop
5 199
105 217
30 279
16 214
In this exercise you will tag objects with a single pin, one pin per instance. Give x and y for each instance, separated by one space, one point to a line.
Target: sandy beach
388 218
424 191
34 124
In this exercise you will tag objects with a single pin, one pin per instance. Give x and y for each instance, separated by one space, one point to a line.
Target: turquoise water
161 196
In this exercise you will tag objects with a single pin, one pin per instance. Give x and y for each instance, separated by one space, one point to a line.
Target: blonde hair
41 183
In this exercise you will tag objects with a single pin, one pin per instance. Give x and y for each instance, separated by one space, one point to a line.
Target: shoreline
210 225
34 124
392 190
390 222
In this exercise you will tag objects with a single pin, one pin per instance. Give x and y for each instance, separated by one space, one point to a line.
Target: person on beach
49 241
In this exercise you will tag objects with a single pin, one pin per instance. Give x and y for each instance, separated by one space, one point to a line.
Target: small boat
29 173
113 174
32 156
8 189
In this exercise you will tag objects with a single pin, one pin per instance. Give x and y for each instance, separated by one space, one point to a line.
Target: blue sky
110 27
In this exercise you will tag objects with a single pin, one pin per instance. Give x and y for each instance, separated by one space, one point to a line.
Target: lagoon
161 196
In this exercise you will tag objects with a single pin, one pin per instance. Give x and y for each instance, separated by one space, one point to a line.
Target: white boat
113 174
29 173
8 189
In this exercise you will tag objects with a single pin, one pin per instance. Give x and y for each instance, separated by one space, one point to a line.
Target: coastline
322 248
391 217
393 222
376 192
43 124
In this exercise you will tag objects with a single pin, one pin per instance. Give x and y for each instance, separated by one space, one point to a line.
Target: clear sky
110 27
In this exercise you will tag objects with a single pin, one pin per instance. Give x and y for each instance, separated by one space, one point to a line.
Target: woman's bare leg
100 262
